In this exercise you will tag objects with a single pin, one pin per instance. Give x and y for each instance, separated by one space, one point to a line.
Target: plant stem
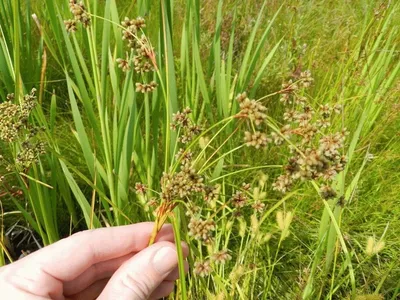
181 259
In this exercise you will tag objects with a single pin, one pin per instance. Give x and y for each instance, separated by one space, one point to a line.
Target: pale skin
106 263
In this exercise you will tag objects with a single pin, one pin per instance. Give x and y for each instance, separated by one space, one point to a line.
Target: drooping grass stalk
206 167
245 170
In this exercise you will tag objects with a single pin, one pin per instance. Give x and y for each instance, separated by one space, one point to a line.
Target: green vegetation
292 195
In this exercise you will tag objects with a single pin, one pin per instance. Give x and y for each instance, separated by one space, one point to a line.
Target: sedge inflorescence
80 14
254 112
140 56
16 129
316 155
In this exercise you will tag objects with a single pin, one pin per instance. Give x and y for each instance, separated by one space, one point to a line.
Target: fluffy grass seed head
284 220
373 247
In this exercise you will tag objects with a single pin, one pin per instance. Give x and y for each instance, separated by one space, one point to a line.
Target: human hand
108 263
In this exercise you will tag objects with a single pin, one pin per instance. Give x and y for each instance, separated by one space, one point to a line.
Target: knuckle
138 285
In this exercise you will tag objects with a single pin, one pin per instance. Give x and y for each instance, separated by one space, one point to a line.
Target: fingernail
165 260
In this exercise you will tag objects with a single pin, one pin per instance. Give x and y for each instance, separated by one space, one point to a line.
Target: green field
267 133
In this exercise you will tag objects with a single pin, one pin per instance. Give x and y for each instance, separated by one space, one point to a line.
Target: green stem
16 49
102 109
181 259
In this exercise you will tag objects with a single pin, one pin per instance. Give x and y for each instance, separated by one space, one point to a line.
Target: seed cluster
315 155
80 16
239 199
142 56
254 112
186 182
201 229
140 188
184 156
123 64
29 154
14 128
142 51
258 206
132 28
187 129
221 257
14 117
211 193
251 109
256 139
145 87
182 184
202 268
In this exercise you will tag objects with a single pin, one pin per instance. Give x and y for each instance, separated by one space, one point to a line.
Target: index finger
71 256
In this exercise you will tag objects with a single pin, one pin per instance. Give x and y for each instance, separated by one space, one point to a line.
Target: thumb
142 274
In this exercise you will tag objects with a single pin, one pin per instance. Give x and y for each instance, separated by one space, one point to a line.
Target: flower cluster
140 46
132 29
256 139
29 154
239 199
145 87
181 185
14 117
186 182
184 156
140 188
188 130
142 57
315 155
211 193
123 64
201 229
221 257
251 109
14 127
258 206
202 268
80 15
254 112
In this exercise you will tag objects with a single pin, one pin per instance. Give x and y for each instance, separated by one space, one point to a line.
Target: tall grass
103 136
